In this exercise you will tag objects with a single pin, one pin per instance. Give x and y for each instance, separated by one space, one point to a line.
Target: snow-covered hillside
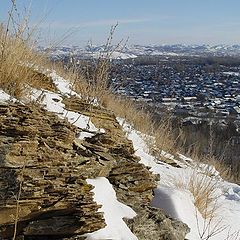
174 196
144 50
171 194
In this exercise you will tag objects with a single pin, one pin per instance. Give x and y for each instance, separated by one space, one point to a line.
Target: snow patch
114 212
53 103
179 202
4 97
232 73
50 104
63 85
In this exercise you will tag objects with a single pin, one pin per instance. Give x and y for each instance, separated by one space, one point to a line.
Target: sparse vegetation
19 59
203 189
18 64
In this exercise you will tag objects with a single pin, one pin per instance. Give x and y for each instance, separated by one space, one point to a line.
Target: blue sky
143 21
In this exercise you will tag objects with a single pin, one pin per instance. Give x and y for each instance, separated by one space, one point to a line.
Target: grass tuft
18 57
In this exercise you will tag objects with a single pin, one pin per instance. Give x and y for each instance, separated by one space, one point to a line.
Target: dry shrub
94 84
226 171
134 114
164 137
142 120
18 58
203 189
16 63
94 79
126 108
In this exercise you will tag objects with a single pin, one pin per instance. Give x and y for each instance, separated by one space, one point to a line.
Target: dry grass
16 78
93 84
203 189
205 195
16 57
17 61
161 133
226 171
138 117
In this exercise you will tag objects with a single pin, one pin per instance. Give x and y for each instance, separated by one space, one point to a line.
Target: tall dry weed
18 57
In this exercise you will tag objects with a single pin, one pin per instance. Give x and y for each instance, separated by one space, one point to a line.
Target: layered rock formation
43 172
42 177
132 181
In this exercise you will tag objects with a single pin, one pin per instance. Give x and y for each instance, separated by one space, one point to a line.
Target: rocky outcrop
42 177
43 172
152 223
132 181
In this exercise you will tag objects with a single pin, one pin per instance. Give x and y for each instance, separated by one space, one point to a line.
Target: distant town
197 85
190 80
187 85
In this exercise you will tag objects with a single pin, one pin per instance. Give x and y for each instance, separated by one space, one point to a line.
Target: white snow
173 195
178 204
104 194
114 212
121 55
112 55
4 97
53 103
232 73
63 85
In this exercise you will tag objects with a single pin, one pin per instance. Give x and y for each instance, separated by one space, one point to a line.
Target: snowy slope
178 202
113 55
113 210
4 97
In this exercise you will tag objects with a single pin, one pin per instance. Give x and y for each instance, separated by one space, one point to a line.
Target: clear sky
143 21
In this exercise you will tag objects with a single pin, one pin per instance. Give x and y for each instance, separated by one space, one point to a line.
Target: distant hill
142 50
